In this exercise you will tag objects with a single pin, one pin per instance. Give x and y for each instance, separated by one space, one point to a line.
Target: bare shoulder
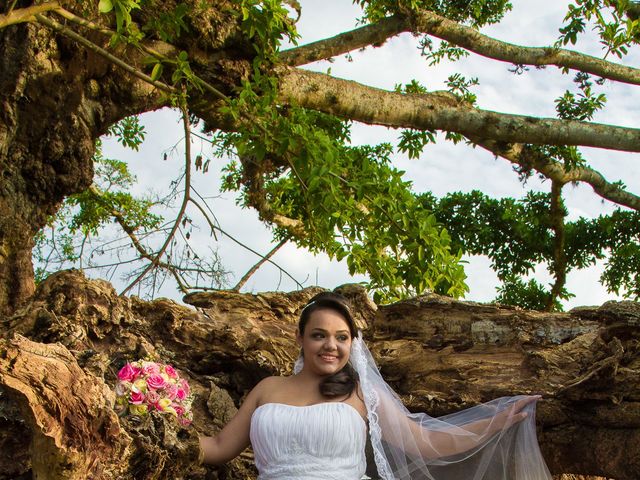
271 382
265 388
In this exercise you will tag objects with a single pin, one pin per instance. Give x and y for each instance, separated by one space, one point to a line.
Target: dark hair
344 382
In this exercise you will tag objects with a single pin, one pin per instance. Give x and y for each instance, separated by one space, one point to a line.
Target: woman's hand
513 413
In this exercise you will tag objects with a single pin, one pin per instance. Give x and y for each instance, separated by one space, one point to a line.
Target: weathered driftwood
59 356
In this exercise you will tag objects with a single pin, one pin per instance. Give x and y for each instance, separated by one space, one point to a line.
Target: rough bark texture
59 355
442 111
57 98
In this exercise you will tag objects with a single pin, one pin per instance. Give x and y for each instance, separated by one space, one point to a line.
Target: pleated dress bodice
320 441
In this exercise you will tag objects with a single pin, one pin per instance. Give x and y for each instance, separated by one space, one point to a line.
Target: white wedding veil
491 441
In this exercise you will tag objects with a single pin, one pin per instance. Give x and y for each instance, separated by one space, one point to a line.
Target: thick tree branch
102 52
434 111
526 157
472 40
168 49
374 34
462 36
257 197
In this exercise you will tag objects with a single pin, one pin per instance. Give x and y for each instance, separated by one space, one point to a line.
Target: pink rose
150 368
168 369
184 421
128 373
136 397
171 391
156 381
153 397
181 394
185 387
179 409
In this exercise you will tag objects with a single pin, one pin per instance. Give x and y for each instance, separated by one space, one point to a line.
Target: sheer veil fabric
464 445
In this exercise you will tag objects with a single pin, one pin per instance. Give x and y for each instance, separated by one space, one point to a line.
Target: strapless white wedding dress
315 442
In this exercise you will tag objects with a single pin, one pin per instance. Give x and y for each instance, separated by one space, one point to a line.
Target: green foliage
352 203
122 10
461 87
163 25
267 23
583 105
529 295
610 19
616 234
517 236
129 132
472 12
95 209
443 50
411 141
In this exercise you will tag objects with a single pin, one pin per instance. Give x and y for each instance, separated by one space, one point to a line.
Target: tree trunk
57 98
441 355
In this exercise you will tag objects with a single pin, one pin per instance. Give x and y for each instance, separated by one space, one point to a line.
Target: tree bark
57 98
442 111
441 355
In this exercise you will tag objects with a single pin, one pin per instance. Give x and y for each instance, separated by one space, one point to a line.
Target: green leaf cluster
528 294
582 106
615 22
122 10
517 236
476 13
351 202
412 141
129 132
266 23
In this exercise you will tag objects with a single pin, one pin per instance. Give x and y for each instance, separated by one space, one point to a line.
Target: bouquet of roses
145 387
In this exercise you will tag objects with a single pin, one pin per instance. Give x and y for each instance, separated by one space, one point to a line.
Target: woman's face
326 342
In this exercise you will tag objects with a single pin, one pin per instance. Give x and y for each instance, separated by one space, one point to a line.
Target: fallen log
441 355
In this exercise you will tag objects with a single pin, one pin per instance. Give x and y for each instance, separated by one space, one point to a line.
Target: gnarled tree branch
472 40
431 23
435 111
374 34
526 157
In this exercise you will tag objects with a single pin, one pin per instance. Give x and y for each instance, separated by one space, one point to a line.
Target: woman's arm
436 443
234 437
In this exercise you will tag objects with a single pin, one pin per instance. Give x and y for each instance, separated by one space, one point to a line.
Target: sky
440 169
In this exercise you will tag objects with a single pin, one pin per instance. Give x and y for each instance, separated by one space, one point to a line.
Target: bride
314 424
